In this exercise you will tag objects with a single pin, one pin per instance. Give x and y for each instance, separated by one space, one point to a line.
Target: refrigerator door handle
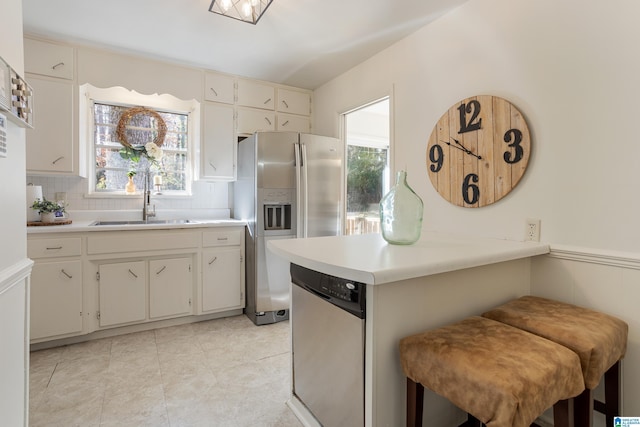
299 207
305 189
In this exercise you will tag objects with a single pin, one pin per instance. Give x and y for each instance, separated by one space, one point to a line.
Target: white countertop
84 225
368 258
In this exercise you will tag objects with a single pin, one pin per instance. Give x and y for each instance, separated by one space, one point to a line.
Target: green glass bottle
401 213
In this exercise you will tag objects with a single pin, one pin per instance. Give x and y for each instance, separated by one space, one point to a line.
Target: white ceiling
302 43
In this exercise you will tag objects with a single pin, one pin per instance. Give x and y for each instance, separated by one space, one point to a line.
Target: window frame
119 96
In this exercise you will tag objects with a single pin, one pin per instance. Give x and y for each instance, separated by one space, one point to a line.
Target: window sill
122 195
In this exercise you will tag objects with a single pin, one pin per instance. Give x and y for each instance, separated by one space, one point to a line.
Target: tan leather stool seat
600 340
503 376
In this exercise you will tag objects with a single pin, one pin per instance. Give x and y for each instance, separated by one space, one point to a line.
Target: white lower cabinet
84 282
122 293
222 286
170 287
56 299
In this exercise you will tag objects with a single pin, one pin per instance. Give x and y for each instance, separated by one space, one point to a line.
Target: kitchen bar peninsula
438 280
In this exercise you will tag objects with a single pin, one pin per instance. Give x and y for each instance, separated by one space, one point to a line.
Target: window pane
111 169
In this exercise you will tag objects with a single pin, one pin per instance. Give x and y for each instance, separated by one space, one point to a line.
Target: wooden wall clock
478 151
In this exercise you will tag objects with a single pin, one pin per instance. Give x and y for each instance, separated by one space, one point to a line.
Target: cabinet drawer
221 238
50 248
48 59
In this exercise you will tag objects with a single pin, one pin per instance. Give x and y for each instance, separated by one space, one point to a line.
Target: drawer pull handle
267 101
66 274
57 160
285 123
133 274
57 248
285 103
267 120
161 270
59 64
213 260
212 165
214 91
223 238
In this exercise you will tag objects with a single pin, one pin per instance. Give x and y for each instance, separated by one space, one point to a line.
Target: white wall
573 70
13 252
568 66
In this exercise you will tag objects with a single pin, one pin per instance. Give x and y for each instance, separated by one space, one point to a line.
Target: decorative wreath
126 118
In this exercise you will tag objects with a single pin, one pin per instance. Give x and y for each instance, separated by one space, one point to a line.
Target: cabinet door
219 88
50 143
122 293
170 287
48 59
250 121
257 95
56 299
289 122
222 286
219 146
294 102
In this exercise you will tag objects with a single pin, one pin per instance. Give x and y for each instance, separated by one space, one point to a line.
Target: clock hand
461 148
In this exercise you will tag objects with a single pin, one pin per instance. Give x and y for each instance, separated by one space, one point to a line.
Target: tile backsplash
205 196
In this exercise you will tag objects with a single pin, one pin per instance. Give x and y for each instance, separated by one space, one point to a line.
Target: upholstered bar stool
599 340
502 376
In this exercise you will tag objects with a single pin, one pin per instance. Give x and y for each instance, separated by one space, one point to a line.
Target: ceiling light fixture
242 10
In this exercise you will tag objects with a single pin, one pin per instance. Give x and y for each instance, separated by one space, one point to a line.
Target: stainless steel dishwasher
328 333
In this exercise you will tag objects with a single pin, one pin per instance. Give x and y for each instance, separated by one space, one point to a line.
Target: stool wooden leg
583 409
612 393
563 414
415 403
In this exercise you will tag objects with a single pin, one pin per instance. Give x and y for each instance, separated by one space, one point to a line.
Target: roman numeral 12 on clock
478 151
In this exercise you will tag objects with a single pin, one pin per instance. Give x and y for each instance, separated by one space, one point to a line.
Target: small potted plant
48 210
130 188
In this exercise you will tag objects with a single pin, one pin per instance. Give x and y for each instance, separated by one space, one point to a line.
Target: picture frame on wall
5 88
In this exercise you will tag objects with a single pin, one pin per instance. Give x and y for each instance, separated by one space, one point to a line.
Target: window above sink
102 110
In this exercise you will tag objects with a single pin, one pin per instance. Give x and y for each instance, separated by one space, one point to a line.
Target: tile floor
223 372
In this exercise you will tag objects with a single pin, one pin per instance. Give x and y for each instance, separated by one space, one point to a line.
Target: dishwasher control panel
344 293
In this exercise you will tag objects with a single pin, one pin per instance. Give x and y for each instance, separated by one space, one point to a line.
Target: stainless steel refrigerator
289 185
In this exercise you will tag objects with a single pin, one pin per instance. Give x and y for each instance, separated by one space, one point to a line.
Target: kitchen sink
150 222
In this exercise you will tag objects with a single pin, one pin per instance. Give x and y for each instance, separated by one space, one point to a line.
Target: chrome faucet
146 200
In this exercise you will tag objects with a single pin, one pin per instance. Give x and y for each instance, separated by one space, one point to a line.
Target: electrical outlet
532 230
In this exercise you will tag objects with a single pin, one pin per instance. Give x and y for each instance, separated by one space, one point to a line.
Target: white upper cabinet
218 156
257 95
48 59
250 121
219 88
293 123
294 102
51 147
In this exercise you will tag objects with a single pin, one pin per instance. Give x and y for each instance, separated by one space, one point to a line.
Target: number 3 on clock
478 151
